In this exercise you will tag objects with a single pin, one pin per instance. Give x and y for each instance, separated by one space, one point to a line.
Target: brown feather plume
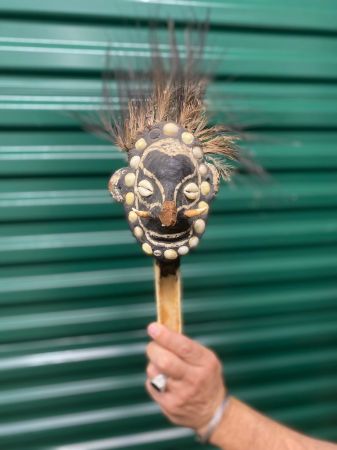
173 90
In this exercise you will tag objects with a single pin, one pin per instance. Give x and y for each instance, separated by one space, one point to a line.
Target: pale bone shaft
168 295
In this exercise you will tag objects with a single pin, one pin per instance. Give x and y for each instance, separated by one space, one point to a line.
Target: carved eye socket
145 188
191 191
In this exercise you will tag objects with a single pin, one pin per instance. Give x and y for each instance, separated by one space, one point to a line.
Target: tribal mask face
176 157
166 190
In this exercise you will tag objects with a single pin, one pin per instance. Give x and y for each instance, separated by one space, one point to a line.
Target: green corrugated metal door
76 292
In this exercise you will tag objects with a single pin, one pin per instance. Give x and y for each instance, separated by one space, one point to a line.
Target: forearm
195 389
244 428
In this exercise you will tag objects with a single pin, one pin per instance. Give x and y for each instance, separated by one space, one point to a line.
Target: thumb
182 346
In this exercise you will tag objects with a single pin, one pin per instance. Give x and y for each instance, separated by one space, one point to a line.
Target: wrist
205 432
230 426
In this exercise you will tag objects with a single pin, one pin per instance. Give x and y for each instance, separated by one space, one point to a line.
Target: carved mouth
174 239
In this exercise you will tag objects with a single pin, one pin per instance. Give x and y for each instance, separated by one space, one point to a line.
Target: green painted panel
77 47
268 104
261 13
75 291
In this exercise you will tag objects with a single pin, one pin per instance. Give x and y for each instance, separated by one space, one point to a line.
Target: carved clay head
176 157
166 190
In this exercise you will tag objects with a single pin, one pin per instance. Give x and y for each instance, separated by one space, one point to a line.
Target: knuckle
175 405
170 415
180 402
199 381
204 374
170 406
187 395
165 362
149 369
148 349
213 363
174 420
193 382
193 376
147 387
186 348
152 350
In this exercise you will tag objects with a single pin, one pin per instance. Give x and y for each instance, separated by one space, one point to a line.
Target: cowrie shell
199 226
129 198
138 232
145 188
132 216
170 129
203 169
134 162
187 138
147 248
194 241
183 250
205 188
129 179
197 152
140 144
191 191
203 204
170 254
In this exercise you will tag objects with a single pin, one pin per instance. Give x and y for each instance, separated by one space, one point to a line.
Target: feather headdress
171 90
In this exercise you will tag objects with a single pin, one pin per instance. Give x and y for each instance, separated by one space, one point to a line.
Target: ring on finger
159 382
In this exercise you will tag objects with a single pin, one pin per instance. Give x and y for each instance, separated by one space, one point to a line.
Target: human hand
195 386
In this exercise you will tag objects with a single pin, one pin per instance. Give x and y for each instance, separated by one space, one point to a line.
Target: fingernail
154 330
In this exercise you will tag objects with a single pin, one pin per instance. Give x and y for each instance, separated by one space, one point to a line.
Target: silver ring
159 382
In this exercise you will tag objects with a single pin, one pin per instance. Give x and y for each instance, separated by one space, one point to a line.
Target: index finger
182 346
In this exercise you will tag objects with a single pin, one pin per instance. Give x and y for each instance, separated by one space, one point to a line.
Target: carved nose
168 214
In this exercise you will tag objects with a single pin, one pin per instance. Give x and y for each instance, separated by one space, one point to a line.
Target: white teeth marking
179 239
167 236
